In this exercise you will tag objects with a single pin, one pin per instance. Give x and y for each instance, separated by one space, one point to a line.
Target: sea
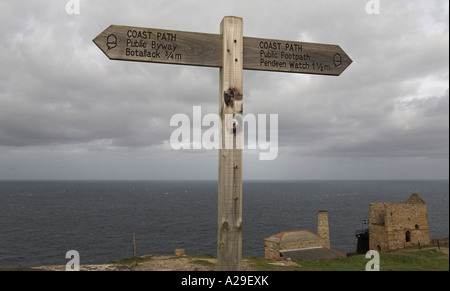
40 221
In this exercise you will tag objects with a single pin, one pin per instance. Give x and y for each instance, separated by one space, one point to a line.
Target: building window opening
416 226
408 236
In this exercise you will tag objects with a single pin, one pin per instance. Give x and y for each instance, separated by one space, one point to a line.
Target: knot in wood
231 95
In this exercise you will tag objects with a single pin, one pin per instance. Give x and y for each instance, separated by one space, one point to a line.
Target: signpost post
232 53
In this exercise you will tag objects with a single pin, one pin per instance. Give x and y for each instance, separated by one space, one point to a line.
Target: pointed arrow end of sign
106 41
349 61
342 60
97 41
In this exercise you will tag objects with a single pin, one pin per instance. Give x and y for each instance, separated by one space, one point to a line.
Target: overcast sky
68 112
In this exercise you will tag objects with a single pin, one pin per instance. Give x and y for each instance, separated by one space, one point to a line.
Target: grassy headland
400 260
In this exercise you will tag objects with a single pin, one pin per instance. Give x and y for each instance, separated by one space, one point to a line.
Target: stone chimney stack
322 227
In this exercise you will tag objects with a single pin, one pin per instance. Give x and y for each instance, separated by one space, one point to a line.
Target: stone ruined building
302 244
398 225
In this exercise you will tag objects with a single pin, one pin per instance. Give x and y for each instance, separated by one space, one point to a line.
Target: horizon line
208 180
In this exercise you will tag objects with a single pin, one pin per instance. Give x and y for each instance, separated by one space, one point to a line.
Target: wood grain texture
229 232
294 57
140 44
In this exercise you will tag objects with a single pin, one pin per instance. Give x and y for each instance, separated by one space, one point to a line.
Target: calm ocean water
41 220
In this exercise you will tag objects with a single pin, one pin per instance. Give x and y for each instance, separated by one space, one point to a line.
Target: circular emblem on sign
111 41
337 60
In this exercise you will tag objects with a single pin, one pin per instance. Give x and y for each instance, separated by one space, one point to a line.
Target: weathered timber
140 44
229 231
294 57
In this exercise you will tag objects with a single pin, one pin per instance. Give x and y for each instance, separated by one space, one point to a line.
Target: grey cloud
61 97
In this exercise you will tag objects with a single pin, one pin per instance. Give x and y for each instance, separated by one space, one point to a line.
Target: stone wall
322 227
272 249
291 240
398 225
302 244
378 238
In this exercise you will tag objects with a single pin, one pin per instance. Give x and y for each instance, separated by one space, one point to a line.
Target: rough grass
413 259
407 260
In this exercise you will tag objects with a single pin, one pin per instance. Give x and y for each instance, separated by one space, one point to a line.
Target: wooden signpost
232 53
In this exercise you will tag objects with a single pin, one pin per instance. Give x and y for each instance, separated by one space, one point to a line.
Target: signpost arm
229 232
